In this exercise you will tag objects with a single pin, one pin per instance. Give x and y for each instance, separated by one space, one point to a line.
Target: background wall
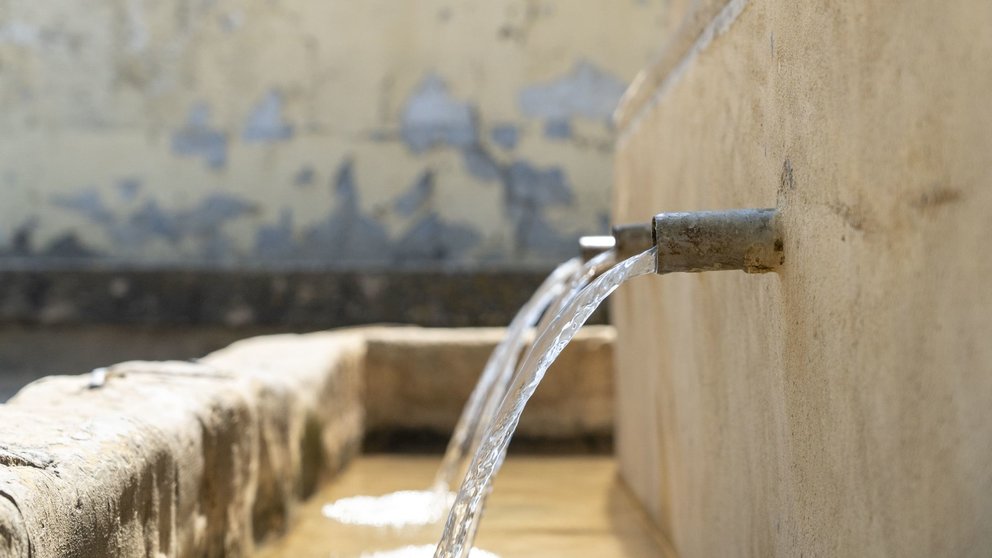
347 134
839 407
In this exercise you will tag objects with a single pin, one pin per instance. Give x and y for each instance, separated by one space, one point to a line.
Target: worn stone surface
421 378
839 407
179 459
206 458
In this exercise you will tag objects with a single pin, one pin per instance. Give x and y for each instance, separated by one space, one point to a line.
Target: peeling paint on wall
481 164
86 203
276 242
586 91
265 123
155 91
417 196
432 239
129 188
433 117
346 234
555 129
505 135
198 139
304 177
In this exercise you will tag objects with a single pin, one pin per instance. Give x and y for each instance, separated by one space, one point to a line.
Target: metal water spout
749 240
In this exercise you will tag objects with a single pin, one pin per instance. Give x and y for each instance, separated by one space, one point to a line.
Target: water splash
397 510
463 519
421 551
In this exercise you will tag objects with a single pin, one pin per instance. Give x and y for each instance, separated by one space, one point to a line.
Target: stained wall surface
842 406
348 133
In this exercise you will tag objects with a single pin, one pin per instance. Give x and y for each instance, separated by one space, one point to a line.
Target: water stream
463 519
576 283
417 508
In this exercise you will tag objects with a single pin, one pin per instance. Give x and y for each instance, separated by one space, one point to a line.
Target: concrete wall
840 407
353 133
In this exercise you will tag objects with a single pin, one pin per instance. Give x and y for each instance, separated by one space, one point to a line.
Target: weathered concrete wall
344 133
839 407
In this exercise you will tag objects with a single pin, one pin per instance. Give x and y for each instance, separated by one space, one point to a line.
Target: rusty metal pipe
744 239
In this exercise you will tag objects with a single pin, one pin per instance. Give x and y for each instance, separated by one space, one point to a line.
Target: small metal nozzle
745 239
592 246
632 239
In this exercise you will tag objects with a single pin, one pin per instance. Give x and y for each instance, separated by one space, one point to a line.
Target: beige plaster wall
840 407
236 131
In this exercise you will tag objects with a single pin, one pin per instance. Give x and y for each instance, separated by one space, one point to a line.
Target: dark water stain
198 139
935 197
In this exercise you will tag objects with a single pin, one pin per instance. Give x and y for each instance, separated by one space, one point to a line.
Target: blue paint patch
346 235
265 123
433 239
505 135
86 203
586 91
198 139
68 245
534 187
213 212
533 235
275 242
529 191
433 117
21 239
150 222
558 130
128 188
481 164
305 176
418 196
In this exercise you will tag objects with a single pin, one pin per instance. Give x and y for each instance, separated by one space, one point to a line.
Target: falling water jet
415 508
746 239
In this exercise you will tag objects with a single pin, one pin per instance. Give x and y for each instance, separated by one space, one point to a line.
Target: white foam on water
397 510
421 551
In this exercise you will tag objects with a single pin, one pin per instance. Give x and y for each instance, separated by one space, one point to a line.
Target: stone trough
209 458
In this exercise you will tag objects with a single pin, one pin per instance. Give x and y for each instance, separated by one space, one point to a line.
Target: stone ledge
206 458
